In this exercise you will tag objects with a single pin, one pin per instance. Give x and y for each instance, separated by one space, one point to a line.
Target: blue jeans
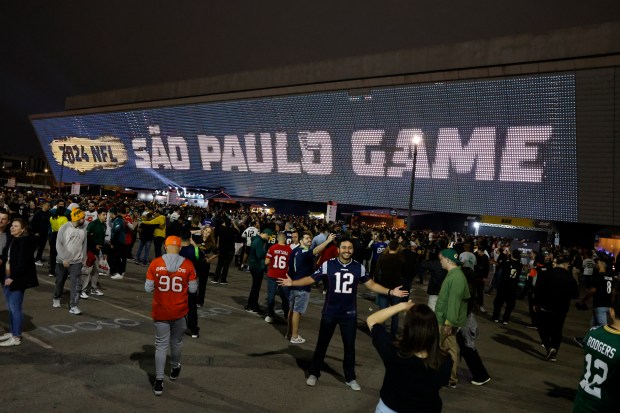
147 249
599 316
14 300
272 289
385 301
348 330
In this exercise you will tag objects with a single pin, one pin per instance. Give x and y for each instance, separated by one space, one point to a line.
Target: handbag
104 267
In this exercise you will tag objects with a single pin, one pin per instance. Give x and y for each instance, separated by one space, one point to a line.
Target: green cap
452 255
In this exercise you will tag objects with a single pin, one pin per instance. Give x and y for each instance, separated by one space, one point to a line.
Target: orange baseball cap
173 240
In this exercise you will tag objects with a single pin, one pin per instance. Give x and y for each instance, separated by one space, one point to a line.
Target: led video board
503 147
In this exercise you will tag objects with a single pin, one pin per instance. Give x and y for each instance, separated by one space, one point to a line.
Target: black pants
480 291
158 242
117 258
373 266
192 314
496 275
472 358
529 290
348 330
223 262
550 326
407 283
257 281
130 248
203 275
239 258
508 297
53 253
41 241
128 255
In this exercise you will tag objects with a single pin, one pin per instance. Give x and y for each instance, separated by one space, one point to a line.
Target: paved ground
101 360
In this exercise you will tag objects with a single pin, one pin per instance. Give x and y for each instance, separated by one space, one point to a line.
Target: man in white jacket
71 249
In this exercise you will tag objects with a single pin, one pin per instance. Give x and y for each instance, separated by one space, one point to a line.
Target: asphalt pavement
102 360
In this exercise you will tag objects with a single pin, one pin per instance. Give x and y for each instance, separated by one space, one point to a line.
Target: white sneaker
83 295
51 275
38 263
298 340
354 385
13 341
269 319
311 381
75 310
480 383
95 291
5 336
56 302
482 309
117 276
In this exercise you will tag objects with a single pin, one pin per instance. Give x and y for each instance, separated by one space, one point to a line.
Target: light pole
415 140
45 185
62 167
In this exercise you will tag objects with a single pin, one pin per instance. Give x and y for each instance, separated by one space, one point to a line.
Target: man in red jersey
277 262
169 278
129 232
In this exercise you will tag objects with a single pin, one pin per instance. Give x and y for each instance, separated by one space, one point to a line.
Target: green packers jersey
599 389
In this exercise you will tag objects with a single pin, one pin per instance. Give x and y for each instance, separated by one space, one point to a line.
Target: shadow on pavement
146 361
519 345
520 334
563 392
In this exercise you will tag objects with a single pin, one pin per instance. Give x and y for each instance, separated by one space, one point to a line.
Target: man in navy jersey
343 274
377 246
288 232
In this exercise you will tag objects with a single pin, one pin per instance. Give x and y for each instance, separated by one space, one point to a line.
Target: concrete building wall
596 143
558 50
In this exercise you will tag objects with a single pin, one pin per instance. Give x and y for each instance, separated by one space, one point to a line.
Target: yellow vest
58 222
160 221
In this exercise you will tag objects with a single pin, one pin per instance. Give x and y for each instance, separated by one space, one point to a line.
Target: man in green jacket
256 262
451 308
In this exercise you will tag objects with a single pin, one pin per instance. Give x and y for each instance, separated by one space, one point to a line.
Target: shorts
298 301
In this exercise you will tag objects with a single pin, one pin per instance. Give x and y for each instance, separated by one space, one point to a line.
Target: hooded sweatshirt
71 244
451 308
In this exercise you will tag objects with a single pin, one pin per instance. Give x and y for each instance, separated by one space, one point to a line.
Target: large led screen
503 147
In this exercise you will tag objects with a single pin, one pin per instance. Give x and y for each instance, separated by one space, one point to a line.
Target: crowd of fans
390 261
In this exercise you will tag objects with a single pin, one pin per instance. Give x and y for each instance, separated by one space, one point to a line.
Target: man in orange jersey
169 278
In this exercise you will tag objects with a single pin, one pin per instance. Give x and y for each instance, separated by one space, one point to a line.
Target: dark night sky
53 49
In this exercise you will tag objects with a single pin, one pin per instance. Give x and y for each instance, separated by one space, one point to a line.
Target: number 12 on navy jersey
344 283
